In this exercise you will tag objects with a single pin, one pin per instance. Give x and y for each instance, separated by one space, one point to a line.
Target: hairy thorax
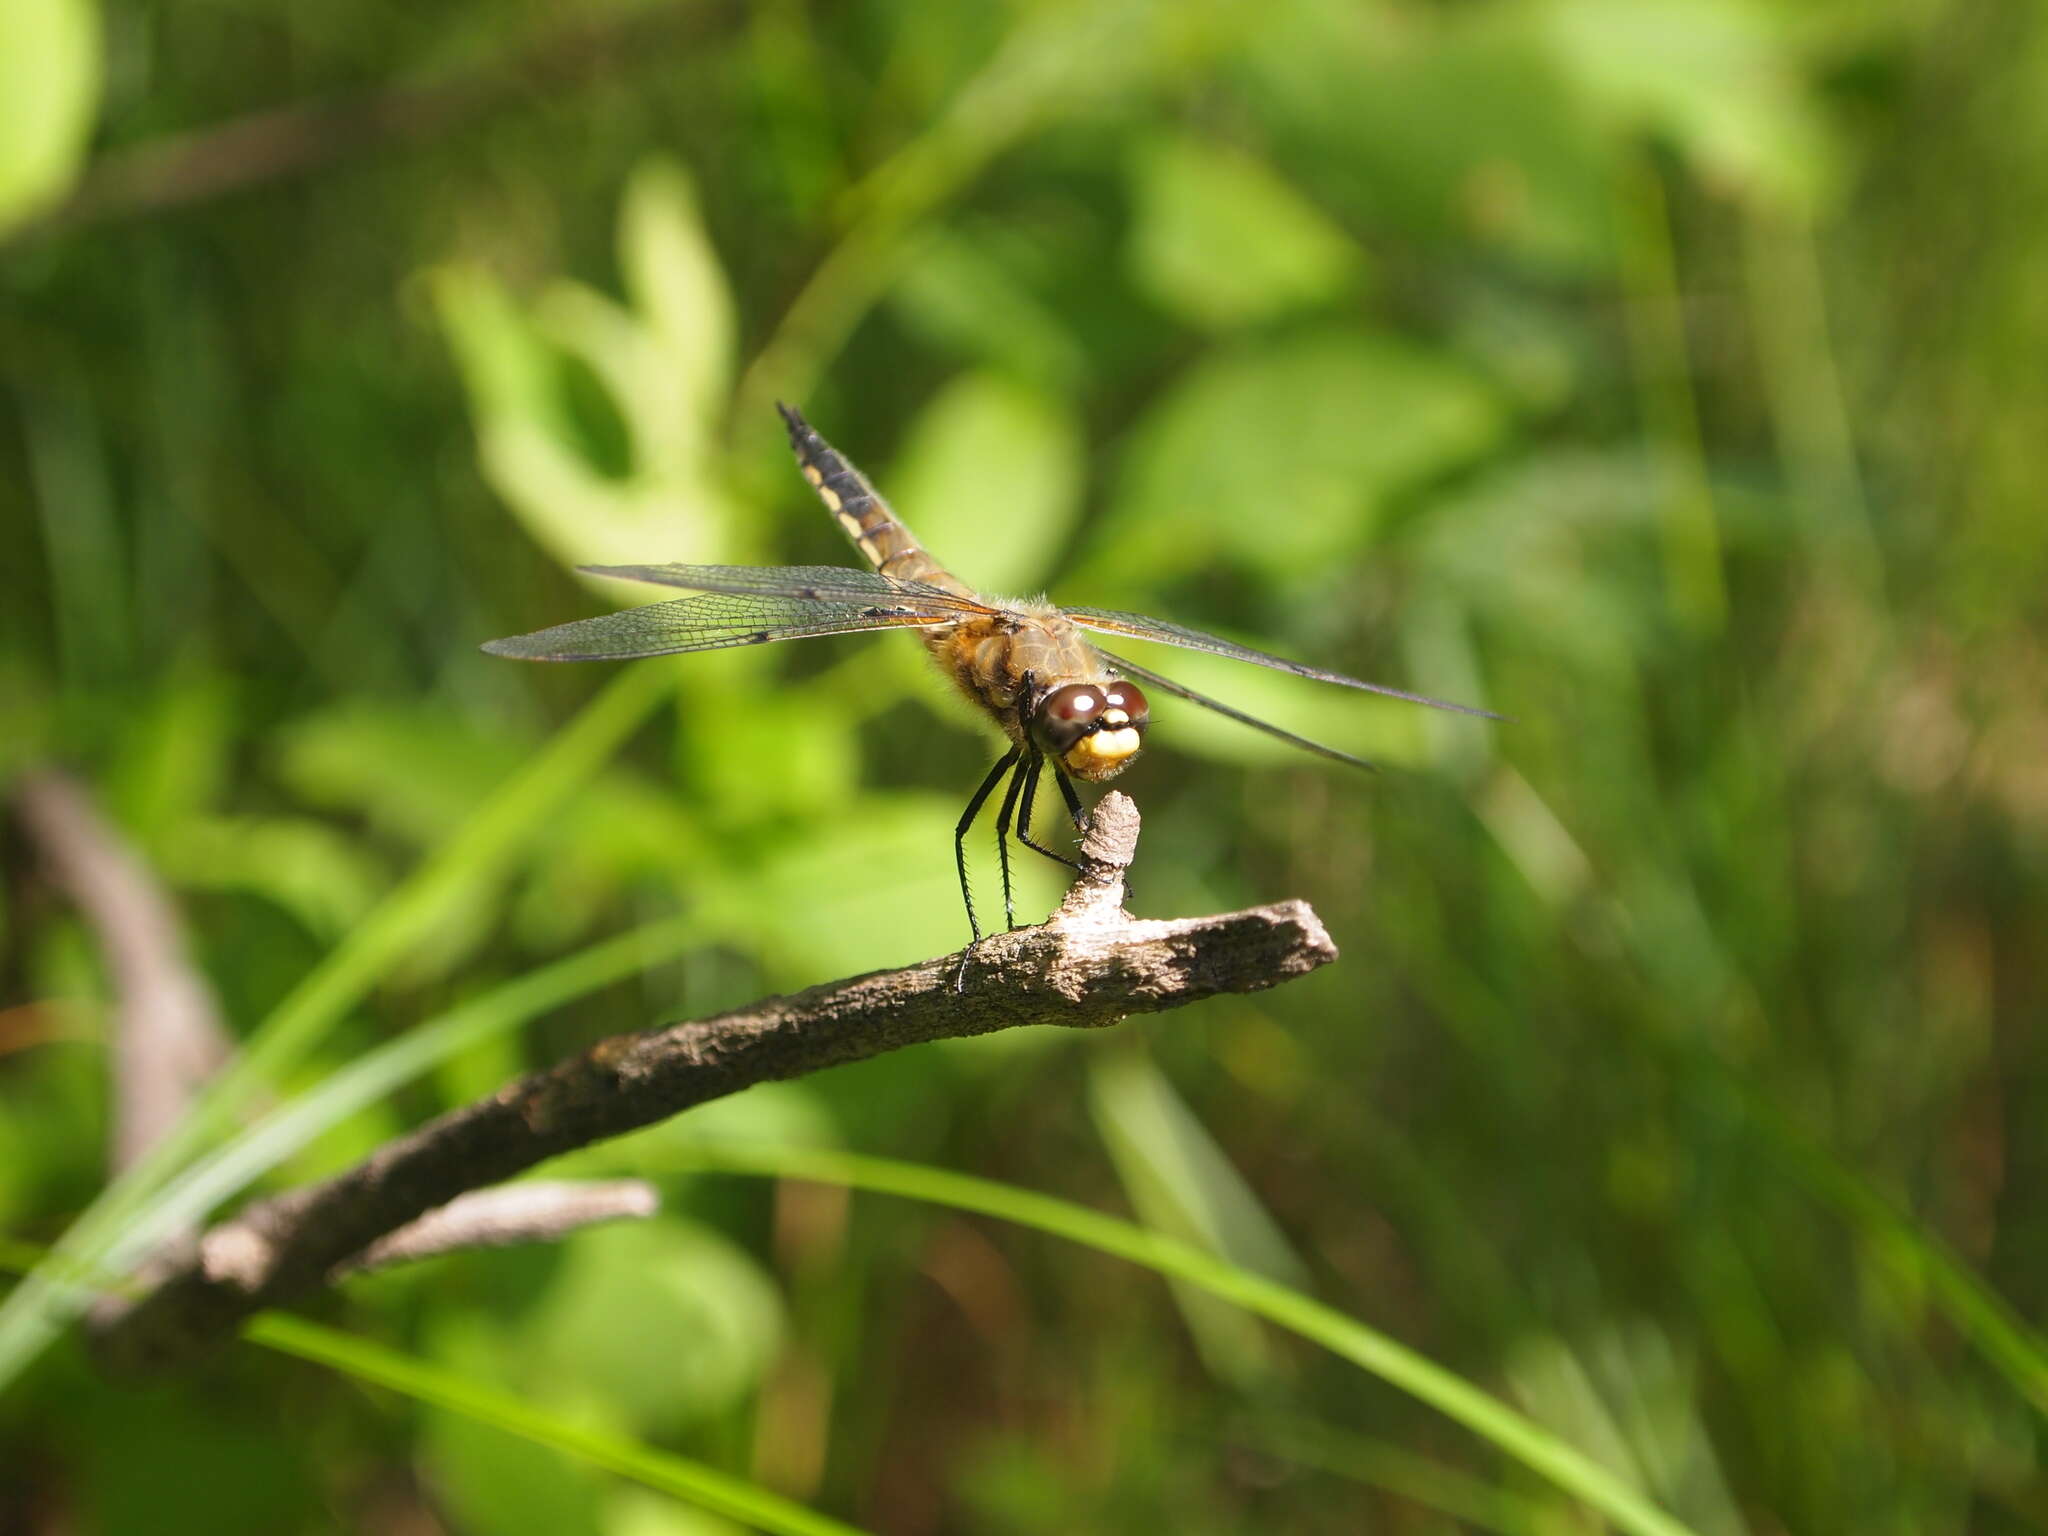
1007 664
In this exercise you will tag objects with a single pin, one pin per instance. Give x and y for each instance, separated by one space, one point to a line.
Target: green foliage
1665 375
1222 242
49 88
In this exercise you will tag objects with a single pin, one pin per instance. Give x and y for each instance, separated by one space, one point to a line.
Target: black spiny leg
1031 770
973 810
1003 836
1073 800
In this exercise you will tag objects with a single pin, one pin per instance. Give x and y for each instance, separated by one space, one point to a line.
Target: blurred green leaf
323 879
1557 546
990 477
1222 241
853 894
1451 124
629 1512
662 1322
175 756
1720 78
410 772
956 290
678 285
490 1480
49 93
756 748
664 365
1283 455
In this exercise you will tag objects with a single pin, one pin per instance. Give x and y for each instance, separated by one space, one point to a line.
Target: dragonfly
1060 699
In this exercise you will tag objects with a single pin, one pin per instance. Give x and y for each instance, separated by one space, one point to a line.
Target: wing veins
1180 690
810 583
1136 626
714 621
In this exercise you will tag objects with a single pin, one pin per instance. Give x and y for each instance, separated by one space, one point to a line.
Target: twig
1091 965
531 1211
167 1034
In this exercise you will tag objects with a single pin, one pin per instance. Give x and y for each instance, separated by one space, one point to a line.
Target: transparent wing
1152 679
713 622
809 583
1138 627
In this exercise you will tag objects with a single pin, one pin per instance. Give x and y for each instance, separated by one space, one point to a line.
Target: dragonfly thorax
1092 730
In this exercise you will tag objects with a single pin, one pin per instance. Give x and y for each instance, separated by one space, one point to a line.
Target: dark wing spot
758 637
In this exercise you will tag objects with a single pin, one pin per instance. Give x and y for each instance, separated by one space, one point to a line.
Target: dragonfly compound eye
1092 728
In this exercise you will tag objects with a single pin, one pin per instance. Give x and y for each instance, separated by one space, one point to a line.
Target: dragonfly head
1092 729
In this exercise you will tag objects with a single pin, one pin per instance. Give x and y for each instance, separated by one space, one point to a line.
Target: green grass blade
1980 1314
1421 1480
1394 1363
732 1497
39 1307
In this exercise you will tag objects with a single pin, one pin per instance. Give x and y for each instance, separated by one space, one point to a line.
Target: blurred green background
1667 374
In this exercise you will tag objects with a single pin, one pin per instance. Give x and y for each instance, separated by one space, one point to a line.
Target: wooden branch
531 1211
1089 966
167 1036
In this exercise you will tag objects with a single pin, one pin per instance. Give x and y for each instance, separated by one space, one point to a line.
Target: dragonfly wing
1138 627
714 622
808 583
1152 679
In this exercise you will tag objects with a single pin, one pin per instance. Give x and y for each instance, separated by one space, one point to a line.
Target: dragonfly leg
995 777
1024 769
1031 772
1073 800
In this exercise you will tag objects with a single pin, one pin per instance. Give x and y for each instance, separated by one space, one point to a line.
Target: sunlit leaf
1284 454
956 291
49 93
662 363
1451 125
324 879
990 477
1720 78
663 1321
678 285
1223 241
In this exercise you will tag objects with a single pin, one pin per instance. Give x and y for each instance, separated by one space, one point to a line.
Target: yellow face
1092 730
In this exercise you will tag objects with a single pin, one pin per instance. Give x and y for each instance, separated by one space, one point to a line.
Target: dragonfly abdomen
867 519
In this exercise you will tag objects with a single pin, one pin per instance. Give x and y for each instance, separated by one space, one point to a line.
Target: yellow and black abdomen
889 546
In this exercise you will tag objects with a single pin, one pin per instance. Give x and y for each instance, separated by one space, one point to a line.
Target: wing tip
1473 710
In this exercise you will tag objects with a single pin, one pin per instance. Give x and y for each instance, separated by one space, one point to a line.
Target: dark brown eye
1073 710
1067 714
1073 704
1129 698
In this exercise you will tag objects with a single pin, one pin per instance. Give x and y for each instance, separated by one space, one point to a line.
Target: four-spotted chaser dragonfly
1028 666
